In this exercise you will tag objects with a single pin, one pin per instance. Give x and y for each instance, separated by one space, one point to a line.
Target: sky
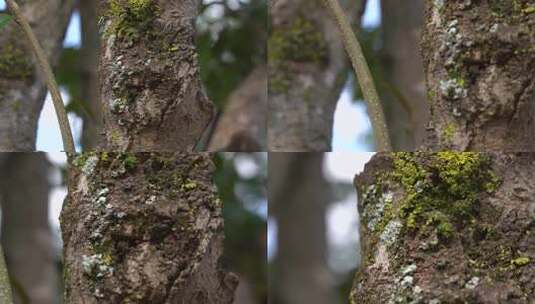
351 122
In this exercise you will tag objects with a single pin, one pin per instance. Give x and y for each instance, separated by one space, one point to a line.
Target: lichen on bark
150 84
445 227
143 227
479 61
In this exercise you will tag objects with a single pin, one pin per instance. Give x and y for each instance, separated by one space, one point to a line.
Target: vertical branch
66 135
5 288
362 70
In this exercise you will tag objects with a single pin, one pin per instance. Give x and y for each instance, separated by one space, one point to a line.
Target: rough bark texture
242 127
144 228
307 70
92 127
150 87
479 61
298 198
22 88
447 228
26 235
403 89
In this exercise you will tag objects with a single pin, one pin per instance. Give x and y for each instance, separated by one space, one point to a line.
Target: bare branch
66 135
362 70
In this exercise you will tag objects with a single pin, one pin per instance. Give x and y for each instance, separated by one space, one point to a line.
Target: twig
364 76
5 288
66 135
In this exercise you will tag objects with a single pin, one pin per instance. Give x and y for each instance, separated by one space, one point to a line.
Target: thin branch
5 288
66 135
364 76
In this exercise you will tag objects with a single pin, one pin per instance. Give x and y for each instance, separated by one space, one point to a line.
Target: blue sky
351 120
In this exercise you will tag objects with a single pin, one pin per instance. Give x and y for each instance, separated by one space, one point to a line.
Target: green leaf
4 20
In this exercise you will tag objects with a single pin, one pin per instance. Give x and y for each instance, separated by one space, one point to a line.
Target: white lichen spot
121 214
391 232
409 269
95 265
472 283
417 290
90 164
407 281
451 89
151 200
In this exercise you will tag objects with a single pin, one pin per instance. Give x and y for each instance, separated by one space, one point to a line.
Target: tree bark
92 127
242 127
143 228
298 191
26 235
403 89
448 227
307 70
479 65
22 88
151 91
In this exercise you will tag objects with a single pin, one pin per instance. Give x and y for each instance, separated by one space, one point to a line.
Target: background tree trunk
403 89
447 228
298 199
26 235
92 127
22 88
242 127
479 64
307 70
144 228
150 87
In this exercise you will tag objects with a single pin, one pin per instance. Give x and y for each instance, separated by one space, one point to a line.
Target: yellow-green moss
449 131
301 41
442 191
131 17
14 62
521 261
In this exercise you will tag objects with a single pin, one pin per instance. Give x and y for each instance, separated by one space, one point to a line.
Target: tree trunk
448 227
242 127
403 89
299 192
307 71
22 88
143 228
479 64
151 91
26 235
92 126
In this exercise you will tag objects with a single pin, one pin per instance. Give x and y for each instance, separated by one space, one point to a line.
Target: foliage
4 20
230 46
245 227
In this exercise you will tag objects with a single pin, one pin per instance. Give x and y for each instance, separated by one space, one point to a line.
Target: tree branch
5 288
66 135
362 70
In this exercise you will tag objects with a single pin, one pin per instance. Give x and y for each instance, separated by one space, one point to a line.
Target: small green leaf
4 20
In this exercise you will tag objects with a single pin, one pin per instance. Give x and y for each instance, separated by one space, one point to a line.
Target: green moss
130 18
442 191
521 261
301 41
189 185
130 161
80 159
449 131
14 62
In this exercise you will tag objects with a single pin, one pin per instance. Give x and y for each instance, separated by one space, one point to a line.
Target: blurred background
32 190
313 232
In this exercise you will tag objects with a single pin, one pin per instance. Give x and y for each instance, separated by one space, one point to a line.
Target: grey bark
473 245
22 88
307 70
26 235
403 88
298 198
144 228
242 126
479 65
92 127
151 92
